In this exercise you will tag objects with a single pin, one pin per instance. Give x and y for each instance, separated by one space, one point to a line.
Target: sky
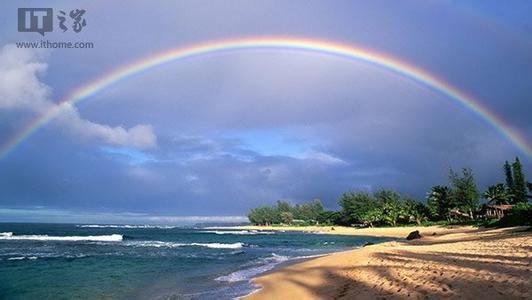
207 138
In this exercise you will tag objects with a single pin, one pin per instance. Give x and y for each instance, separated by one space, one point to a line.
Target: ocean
89 261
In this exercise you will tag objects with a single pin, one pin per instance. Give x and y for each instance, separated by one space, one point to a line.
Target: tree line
283 212
459 200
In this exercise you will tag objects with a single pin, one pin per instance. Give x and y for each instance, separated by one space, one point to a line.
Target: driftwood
457 213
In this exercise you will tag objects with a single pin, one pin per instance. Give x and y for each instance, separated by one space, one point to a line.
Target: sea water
90 261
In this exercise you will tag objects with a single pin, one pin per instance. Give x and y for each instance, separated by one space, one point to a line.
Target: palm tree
497 194
372 216
415 211
392 212
440 202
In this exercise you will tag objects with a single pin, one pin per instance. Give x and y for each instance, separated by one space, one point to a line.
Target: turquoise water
65 261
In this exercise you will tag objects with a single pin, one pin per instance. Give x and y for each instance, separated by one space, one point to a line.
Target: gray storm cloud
240 129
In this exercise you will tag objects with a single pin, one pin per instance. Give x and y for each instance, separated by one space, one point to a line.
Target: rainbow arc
85 91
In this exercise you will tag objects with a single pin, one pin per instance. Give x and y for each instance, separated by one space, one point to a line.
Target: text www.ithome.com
45 44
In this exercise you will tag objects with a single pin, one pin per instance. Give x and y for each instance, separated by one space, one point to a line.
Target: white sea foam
95 238
6 234
219 245
161 244
16 258
34 256
260 266
238 232
126 226
23 258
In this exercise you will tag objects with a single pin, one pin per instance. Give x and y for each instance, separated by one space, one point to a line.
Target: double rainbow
85 91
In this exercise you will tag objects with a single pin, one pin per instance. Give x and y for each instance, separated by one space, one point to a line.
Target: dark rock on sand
413 235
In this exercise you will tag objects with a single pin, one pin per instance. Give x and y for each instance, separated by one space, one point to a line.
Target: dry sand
462 262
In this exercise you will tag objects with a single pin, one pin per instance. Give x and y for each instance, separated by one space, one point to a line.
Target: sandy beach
394 232
457 262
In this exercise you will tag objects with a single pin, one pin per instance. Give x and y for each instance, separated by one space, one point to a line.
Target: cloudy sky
218 134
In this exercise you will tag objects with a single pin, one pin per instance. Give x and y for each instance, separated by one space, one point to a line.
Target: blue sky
219 134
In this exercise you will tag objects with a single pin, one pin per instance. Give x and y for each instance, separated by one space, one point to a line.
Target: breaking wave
91 238
160 244
126 226
46 256
259 266
239 232
23 258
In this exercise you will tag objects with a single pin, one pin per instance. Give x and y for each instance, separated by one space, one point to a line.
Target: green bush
521 215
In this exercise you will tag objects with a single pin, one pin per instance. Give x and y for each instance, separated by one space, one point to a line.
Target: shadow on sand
484 270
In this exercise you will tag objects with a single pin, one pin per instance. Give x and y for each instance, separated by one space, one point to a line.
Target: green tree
509 177
391 207
440 202
372 216
309 211
392 212
519 181
497 194
283 206
286 217
264 215
415 211
354 205
329 217
464 190
386 196
256 217
314 208
272 215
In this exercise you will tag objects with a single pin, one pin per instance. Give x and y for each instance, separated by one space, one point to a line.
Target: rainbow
89 89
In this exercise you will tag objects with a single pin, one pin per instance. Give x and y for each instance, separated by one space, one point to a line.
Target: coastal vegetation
458 202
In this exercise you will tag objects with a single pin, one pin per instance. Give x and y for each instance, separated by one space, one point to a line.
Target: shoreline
295 261
279 267
390 232
461 261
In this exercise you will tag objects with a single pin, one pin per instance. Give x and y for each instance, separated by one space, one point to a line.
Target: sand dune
465 263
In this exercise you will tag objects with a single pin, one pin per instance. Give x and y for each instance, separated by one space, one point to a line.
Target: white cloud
322 157
21 89
139 136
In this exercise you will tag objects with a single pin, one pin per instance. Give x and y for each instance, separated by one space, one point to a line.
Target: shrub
521 215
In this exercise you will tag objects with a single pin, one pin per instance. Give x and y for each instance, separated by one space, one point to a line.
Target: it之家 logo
41 20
